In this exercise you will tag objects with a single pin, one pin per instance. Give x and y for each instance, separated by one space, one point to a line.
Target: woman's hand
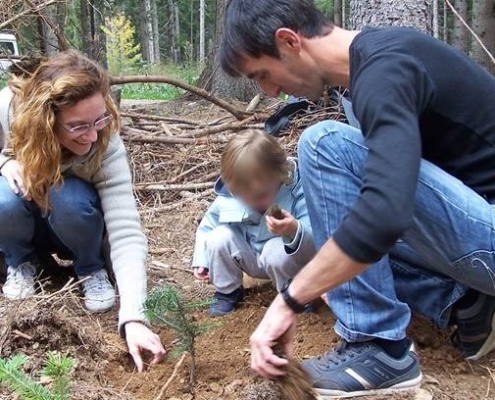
201 273
12 171
283 227
139 338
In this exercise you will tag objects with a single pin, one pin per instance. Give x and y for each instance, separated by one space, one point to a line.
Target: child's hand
201 273
286 227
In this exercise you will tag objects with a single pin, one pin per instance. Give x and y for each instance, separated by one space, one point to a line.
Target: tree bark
147 39
412 13
202 33
484 25
460 37
436 20
337 13
214 79
156 32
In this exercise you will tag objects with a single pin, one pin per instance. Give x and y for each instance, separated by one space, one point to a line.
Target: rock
216 388
422 394
431 380
233 386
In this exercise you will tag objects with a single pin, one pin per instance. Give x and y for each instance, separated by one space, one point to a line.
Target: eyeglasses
99 124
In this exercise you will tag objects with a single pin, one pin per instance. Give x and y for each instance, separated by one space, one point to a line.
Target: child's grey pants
229 255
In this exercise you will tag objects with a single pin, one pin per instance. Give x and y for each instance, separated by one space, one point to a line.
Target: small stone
234 386
422 394
216 388
431 380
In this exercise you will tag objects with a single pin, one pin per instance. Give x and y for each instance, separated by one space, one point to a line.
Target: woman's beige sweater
128 246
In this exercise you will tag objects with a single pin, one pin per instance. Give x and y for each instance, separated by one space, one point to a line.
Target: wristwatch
291 302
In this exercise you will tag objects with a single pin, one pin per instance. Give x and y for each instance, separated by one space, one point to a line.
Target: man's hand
201 273
283 227
12 171
278 326
139 337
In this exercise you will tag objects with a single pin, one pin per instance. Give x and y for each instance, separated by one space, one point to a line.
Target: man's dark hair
250 27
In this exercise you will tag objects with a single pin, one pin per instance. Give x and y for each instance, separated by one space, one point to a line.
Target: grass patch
159 91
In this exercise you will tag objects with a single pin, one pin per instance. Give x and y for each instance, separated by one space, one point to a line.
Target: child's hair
250 156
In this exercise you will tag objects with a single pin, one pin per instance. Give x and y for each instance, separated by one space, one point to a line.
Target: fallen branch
164 267
135 135
228 126
238 114
164 188
158 118
172 377
28 11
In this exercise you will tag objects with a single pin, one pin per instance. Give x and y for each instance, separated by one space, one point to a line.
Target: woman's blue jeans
448 249
74 226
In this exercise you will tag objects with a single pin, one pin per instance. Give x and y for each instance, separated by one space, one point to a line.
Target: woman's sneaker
99 294
362 369
21 281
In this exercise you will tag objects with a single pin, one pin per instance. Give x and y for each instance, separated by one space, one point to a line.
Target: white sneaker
99 294
21 281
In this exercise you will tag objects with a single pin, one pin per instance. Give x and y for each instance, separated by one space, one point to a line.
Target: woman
65 185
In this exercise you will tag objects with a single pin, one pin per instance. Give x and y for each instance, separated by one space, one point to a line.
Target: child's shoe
224 304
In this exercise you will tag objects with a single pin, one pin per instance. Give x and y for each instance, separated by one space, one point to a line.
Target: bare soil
104 369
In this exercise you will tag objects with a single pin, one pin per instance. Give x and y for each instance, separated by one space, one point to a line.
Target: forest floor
105 371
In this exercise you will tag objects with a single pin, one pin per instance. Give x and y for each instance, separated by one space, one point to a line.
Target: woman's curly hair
57 83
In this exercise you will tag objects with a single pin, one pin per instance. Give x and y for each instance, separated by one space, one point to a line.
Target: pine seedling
166 307
57 367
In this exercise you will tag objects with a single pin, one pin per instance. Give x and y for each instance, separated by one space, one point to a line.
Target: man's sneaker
475 335
362 369
224 304
21 281
99 294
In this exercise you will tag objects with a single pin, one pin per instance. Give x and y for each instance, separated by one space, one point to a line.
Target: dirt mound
58 323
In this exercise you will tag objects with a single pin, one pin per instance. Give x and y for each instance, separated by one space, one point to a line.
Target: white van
8 48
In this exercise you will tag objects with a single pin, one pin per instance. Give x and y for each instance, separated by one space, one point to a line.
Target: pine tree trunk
412 13
213 78
460 38
484 25
436 20
337 12
147 39
156 32
202 33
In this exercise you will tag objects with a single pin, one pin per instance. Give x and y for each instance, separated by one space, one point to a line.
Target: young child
236 235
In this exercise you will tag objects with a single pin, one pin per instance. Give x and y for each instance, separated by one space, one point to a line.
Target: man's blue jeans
448 249
74 226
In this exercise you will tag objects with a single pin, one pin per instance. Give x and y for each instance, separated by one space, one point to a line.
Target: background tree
483 23
412 13
213 78
460 37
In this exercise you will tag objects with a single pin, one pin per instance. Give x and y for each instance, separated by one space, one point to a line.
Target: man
401 212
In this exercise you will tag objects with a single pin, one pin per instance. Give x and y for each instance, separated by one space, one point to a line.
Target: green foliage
122 51
165 306
57 369
154 91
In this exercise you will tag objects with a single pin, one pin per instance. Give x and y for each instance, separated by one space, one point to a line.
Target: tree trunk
337 12
412 13
147 39
156 32
484 25
460 38
215 79
202 33
436 20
